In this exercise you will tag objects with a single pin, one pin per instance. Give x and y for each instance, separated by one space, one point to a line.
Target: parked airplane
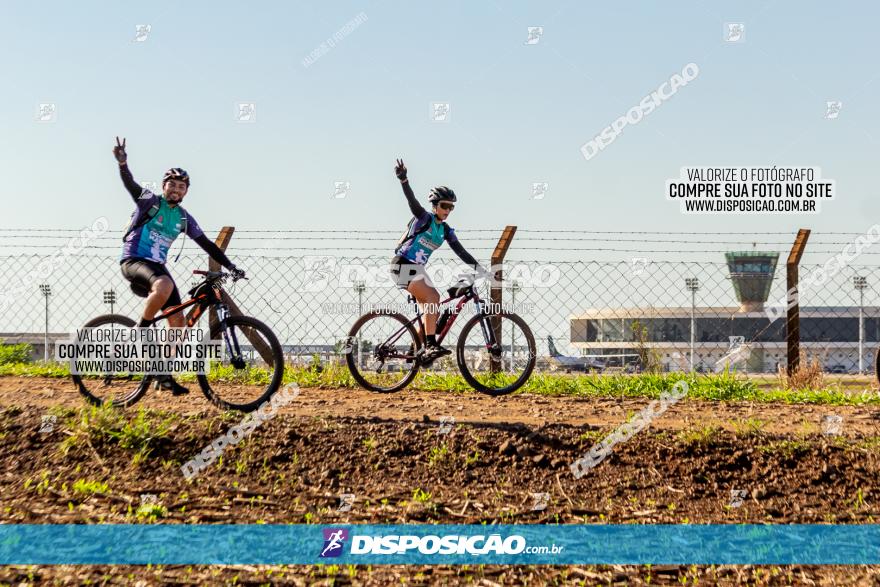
585 364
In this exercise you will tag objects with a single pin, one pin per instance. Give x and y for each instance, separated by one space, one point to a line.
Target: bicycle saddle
459 289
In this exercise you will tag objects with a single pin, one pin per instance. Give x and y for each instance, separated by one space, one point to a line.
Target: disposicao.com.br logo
451 544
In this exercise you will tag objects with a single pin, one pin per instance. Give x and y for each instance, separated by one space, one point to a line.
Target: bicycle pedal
427 362
178 390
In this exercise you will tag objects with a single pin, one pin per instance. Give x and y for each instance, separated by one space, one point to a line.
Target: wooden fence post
496 291
222 241
792 300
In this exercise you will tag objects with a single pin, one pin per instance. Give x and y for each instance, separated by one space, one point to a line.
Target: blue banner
167 544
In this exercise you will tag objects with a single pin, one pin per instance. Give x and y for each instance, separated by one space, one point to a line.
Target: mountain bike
242 379
495 351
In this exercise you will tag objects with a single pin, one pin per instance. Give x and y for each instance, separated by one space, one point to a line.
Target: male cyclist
426 233
155 224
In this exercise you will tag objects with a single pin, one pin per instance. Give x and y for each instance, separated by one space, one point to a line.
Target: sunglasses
445 206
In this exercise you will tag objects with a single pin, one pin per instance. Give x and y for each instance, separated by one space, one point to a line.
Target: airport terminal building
830 334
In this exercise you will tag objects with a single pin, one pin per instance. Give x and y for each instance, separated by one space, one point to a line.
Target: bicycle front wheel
877 366
380 352
250 368
119 389
496 353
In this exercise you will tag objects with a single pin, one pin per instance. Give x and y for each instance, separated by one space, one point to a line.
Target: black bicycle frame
471 294
204 298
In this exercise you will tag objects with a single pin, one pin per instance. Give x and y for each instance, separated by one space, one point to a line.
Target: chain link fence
616 314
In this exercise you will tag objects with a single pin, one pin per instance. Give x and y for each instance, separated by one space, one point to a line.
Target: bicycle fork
230 340
488 333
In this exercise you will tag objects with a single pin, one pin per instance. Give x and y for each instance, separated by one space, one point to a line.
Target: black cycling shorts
142 273
404 272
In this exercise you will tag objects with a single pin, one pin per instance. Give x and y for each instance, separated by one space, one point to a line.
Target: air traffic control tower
752 275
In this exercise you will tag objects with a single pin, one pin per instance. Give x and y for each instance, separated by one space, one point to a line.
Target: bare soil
404 466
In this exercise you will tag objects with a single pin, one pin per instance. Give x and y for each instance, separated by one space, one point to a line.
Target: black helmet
441 193
178 174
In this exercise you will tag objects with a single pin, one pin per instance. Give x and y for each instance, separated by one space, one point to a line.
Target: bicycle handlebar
215 275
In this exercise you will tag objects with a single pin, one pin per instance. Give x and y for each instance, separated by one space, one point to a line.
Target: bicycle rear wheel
380 352
120 389
250 368
500 367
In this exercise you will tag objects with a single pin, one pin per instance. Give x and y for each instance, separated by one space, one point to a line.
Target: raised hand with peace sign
119 151
400 170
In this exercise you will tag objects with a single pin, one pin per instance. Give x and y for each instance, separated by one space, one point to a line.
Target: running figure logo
333 541
535 33
440 111
246 112
141 32
734 32
832 109
47 113
318 272
539 189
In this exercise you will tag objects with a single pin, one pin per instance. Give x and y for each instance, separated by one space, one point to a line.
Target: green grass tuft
87 488
140 432
725 386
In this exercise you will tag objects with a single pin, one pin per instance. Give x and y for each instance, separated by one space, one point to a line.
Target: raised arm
417 210
134 189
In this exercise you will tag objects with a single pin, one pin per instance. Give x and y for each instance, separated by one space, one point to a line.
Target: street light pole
110 298
693 284
513 287
861 283
46 290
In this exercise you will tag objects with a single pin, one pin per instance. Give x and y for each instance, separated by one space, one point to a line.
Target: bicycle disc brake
379 355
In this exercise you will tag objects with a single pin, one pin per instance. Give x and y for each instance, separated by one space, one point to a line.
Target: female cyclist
425 234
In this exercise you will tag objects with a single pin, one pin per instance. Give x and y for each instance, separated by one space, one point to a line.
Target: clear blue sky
519 113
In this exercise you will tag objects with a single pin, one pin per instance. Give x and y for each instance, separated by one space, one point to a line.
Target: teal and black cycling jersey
426 234
152 240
